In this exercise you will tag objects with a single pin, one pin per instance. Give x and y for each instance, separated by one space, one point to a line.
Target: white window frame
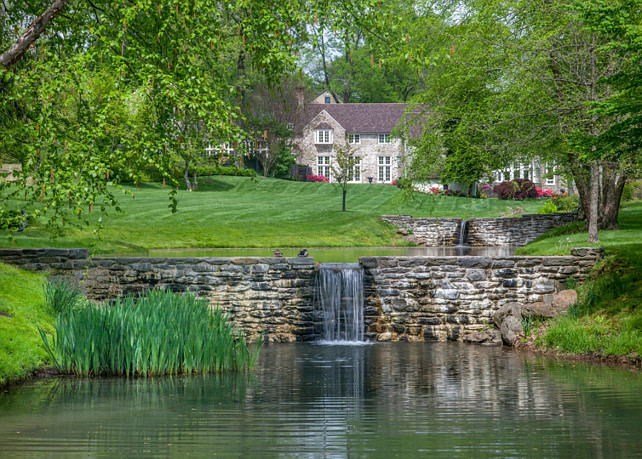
323 136
354 138
323 166
354 173
384 139
550 169
384 169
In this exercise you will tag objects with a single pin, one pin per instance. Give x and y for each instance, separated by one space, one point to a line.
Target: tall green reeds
158 333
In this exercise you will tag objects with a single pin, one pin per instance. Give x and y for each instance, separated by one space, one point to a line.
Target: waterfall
463 232
339 295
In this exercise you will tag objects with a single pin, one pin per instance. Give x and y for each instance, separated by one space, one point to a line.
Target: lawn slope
243 212
21 298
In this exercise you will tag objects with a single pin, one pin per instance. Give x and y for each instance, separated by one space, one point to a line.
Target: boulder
402 231
507 309
539 309
477 337
383 337
511 328
415 239
563 299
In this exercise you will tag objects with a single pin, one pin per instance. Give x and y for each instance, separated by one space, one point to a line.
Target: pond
331 254
311 400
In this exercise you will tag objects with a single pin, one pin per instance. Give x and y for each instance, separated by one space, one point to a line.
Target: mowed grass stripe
242 212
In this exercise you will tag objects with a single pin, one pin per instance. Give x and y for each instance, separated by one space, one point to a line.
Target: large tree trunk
593 237
33 32
583 189
613 181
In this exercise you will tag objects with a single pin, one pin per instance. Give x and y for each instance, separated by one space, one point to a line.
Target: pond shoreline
623 362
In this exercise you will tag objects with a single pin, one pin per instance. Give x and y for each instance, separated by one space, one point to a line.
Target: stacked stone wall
407 298
269 295
431 232
491 232
446 298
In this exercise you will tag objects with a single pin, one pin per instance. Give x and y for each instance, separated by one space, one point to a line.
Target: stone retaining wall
270 295
514 231
407 298
431 232
493 232
445 298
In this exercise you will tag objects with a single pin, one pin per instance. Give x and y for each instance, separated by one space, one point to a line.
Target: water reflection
334 254
443 399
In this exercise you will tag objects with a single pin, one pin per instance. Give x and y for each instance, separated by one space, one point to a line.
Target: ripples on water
312 400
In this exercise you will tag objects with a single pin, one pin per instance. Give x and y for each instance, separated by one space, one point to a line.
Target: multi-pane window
384 138
323 136
327 99
384 168
550 178
323 166
526 171
354 173
354 138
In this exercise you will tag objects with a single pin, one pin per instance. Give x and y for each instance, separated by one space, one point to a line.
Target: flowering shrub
484 188
436 190
544 193
317 178
518 189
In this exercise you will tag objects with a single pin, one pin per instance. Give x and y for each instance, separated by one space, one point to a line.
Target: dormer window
327 99
323 136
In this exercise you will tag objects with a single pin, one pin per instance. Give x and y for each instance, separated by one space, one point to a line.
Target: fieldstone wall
514 231
431 232
447 298
269 295
492 232
406 298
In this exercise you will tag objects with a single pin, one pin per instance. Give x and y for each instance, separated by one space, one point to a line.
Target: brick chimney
300 97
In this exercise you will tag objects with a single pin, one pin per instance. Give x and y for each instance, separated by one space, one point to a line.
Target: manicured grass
242 212
21 348
608 317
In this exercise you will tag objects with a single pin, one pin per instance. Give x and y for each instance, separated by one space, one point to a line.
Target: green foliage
549 207
567 203
12 220
62 295
21 348
627 192
516 189
158 333
404 183
224 170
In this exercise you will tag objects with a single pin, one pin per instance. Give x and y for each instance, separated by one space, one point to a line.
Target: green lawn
608 318
241 212
21 349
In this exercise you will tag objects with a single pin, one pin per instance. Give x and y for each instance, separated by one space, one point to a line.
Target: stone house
366 128
541 174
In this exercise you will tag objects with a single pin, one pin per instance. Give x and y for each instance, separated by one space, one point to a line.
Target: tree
344 169
522 79
102 88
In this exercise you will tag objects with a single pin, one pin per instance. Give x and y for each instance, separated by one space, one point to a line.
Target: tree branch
37 27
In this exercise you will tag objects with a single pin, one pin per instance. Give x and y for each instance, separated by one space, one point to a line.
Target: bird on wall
303 253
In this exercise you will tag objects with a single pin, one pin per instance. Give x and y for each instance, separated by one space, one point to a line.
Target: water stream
463 232
339 295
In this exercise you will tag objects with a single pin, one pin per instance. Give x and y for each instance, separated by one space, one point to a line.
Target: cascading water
339 295
463 232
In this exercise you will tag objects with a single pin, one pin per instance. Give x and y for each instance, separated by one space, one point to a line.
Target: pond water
332 254
311 400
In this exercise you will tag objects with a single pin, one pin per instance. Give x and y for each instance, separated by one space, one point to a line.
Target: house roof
360 118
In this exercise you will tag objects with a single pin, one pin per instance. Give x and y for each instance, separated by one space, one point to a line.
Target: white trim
354 138
387 139
323 136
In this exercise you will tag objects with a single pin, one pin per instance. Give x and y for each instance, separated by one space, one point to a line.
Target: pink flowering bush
317 178
436 190
544 193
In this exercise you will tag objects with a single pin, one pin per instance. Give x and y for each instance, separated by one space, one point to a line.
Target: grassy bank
607 320
21 348
242 212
